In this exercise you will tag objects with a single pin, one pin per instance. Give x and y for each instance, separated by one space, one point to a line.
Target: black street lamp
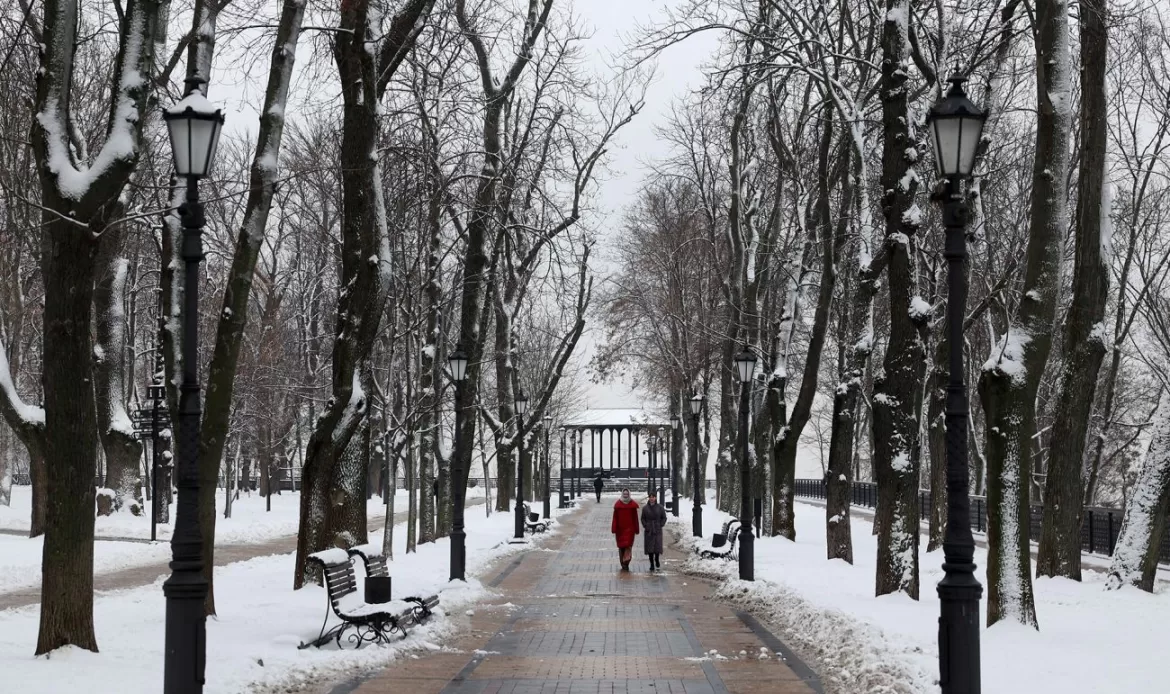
457 362
745 364
547 468
697 493
956 125
194 124
521 408
675 422
660 465
157 394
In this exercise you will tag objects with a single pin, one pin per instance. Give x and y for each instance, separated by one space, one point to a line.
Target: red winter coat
625 522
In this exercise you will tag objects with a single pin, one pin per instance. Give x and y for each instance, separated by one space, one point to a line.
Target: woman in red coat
625 527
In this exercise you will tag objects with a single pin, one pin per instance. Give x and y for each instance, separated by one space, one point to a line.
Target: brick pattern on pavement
567 621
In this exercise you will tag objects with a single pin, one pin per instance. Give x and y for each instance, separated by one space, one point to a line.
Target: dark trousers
598 496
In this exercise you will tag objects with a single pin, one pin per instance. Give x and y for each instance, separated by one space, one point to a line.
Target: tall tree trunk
898 393
480 225
77 208
229 336
858 338
1010 380
367 55
830 237
67 566
1084 331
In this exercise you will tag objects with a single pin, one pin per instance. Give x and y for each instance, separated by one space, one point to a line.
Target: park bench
533 522
722 544
375 563
365 623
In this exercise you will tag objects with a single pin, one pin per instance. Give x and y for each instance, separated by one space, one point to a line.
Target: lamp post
521 408
194 124
745 364
561 486
956 125
675 423
547 467
659 448
696 495
457 362
157 393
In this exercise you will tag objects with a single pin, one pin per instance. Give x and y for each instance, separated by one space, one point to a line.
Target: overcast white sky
679 70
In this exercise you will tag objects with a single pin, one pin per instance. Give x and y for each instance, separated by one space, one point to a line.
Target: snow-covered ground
20 557
1089 640
252 644
250 522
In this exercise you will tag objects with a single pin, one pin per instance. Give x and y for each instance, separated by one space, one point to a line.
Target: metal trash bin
377 590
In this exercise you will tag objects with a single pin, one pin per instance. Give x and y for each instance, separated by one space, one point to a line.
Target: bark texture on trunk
77 209
120 443
1011 378
1084 331
897 396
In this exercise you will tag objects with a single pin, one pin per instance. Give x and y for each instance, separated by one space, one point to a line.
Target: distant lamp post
457 363
745 364
696 481
194 125
547 468
956 126
157 394
521 409
675 424
561 486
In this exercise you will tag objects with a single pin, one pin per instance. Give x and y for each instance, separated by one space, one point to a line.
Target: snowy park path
565 619
136 576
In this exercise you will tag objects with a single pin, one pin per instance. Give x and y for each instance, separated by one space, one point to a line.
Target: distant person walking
625 527
653 520
597 486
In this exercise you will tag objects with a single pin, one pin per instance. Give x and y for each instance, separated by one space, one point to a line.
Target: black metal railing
1099 528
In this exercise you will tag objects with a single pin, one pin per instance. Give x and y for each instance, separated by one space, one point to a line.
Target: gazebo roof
617 417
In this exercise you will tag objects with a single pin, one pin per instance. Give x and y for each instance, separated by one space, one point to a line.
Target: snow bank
826 611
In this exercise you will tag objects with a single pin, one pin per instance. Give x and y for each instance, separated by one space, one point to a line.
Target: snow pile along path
856 642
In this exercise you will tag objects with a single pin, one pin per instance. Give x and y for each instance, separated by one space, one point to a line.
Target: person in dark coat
625 527
597 486
653 520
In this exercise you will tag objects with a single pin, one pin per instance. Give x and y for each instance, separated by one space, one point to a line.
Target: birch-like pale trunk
1135 557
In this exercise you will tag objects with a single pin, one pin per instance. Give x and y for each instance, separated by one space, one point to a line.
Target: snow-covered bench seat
532 521
365 623
722 544
375 563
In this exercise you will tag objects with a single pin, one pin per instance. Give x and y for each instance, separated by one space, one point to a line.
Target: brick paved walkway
568 622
